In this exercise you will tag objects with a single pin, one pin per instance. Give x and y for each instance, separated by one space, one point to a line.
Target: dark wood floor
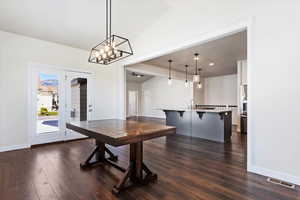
187 169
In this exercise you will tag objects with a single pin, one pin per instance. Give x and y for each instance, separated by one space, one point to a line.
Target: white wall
273 56
1 96
222 90
16 52
156 93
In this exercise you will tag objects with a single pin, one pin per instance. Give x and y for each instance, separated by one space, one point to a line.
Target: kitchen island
213 124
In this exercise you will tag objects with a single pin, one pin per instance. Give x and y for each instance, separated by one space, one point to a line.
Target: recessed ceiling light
137 75
211 64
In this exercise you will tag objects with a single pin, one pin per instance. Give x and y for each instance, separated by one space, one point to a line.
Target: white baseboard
154 116
14 147
275 174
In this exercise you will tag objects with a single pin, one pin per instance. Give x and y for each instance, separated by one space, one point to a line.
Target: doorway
132 103
205 38
57 96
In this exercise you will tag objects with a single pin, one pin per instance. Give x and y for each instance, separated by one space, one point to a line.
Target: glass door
47 112
78 100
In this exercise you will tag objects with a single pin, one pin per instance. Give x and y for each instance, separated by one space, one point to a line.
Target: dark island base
214 126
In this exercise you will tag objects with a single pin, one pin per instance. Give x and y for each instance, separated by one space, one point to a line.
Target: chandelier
113 48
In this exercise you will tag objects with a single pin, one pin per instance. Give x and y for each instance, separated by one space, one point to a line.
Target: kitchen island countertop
215 110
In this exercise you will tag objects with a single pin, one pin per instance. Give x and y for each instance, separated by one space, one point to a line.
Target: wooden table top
118 132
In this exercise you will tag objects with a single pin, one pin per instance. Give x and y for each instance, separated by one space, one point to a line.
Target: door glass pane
47 103
79 108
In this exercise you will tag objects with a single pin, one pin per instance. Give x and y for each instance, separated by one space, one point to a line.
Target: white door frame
31 112
247 24
50 136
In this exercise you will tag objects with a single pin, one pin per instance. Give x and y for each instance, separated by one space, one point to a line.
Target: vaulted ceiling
78 23
81 24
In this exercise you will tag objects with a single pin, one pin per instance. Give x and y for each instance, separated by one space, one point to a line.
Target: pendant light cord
196 58
186 67
106 19
110 20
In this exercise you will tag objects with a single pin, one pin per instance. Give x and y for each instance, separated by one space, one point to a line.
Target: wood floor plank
187 168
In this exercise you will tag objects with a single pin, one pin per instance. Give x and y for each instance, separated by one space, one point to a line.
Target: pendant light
113 48
199 84
170 79
196 77
186 76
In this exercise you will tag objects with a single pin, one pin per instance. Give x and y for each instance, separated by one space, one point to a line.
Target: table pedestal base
133 174
99 153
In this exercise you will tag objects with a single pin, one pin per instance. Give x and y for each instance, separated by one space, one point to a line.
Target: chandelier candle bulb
97 54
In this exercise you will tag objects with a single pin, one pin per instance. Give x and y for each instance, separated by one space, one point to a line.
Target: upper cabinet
242 72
